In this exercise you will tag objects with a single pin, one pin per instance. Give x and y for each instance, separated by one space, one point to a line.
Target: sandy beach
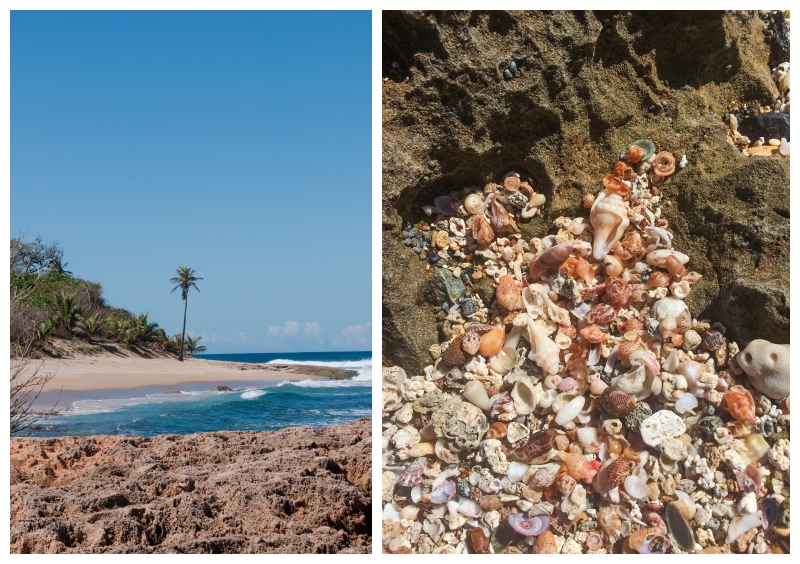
123 370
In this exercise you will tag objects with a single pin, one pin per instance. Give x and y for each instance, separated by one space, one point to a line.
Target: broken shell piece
661 425
740 525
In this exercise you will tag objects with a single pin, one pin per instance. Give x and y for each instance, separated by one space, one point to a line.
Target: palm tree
67 311
90 326
185 280
192 347
144 331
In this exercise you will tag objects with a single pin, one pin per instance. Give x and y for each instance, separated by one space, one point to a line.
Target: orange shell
545 544
626 348
617 471
564 482
578 466
526 189
619 169
535 270
664 164
634 154
632 243
594 334
658 279
630 324
507 292
511 182
482 230
740 405
480 544
675 267
493 341
614 184
497 430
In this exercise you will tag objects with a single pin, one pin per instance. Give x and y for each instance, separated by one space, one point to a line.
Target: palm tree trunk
185 305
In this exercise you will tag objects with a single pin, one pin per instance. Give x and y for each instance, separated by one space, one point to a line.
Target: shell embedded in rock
454 355
617 471
545 544
616 402
493 341
538 445
471 342
507 292
609 217
740 404
482 230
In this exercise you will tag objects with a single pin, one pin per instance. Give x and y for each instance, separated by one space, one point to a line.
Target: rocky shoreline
297 490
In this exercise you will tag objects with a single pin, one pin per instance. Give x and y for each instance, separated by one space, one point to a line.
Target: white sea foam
363 377
252 394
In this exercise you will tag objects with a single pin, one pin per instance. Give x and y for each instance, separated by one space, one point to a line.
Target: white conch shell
659 258
556 313
673 316
609 217
475 393
544 351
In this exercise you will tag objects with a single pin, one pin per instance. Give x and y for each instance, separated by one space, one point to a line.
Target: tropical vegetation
185 280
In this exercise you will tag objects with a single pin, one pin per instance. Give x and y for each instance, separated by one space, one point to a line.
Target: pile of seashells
584 410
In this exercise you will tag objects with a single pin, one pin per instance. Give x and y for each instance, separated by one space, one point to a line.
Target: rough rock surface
592 82
298 490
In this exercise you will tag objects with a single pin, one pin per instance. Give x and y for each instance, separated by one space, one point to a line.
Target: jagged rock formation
298 490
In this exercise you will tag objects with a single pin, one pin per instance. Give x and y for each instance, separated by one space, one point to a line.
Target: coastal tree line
49 302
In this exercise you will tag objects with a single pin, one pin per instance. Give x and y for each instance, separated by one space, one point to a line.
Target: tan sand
102 372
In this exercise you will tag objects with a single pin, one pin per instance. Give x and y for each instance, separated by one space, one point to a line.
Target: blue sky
235 143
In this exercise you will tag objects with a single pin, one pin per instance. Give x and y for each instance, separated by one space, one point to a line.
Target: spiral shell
497 430
412 475
445 452
511 182
614 184
664 164
545 544
712 340
616 402
618 292
507 292
564 482
594 334
602 314
482 230
594 541
578 466
617 471
639 539
609 218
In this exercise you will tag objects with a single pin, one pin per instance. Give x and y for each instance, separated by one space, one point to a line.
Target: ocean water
251 406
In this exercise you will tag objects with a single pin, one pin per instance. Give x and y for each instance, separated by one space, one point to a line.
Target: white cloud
292 329
354 336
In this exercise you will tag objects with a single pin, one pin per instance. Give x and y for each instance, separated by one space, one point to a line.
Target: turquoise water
254 406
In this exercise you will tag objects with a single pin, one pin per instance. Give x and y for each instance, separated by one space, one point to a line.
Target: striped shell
683 322
412 475
712 340
539 444
564 482
602 314
618 292
545 544
617 471
616 402
497 430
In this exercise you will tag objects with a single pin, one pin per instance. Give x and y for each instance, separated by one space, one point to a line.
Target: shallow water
194 408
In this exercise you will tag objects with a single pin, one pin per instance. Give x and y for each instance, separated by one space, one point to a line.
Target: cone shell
638 538
545 544
507 292
492 342
497 430
609 218
555 256
617 471
482 230
740 404
616 402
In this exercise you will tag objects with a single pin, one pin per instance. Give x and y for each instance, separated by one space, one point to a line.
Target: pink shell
507 292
